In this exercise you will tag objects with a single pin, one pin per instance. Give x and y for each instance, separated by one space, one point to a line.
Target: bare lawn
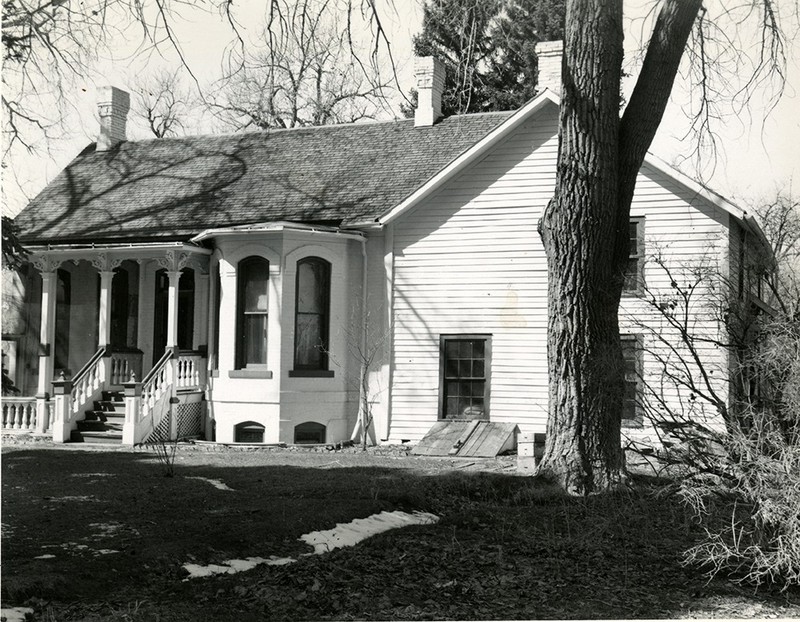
103 535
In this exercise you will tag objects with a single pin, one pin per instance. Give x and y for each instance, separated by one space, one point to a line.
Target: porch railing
72 397
147 403
88 382
178 377
19 414
123 364
190 371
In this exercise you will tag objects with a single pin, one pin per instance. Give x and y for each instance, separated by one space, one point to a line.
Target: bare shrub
735 446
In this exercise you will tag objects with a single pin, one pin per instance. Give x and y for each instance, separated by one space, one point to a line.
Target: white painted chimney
549 55
112 105
430 86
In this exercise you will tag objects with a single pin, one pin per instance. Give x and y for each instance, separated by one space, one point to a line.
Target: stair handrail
88 365
161 362
88 382
156 391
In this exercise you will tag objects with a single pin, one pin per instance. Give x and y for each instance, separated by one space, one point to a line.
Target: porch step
100 420
98 437
103 423
114 396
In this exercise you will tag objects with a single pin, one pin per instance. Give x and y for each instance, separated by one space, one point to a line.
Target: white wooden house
226 284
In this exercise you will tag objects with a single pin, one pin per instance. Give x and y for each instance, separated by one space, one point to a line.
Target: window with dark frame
309 433
464 376
253 305
248 432
312 309
634 270
632 361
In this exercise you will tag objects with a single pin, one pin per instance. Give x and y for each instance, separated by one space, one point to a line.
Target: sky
757 153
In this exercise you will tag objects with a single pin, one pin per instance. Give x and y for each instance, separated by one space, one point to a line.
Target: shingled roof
174 188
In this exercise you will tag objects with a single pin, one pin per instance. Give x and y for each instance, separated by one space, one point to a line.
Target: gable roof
175 188
502 131
341 175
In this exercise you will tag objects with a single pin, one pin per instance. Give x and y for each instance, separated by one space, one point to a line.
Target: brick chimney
549 55
430 86
112 105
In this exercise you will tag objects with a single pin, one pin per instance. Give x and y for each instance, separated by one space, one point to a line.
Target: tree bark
585 232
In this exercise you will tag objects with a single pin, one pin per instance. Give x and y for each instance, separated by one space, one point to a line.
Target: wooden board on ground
476 439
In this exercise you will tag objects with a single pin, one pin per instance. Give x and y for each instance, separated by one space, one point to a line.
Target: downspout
362 379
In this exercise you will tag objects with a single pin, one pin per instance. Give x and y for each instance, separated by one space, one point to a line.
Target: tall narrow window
464 365
119 308
63 302
634 270
311 314
253 298
217 300
632 360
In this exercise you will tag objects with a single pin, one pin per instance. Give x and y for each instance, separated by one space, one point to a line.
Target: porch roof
175 188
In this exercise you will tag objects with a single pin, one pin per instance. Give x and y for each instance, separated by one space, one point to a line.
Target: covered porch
115 335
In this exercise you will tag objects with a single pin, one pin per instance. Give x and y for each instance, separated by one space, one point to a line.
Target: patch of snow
105 530
216 483
45 556
73 498
92 475
344 534
350 534
232 566
15 614
104 552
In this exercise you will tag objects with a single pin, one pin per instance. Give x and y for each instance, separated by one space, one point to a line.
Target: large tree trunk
585 232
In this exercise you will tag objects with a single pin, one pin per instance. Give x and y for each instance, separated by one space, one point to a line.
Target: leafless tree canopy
302 71
780 219
163 102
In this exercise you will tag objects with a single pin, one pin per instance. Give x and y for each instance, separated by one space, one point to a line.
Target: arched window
253 299
310 432
312 303
248 432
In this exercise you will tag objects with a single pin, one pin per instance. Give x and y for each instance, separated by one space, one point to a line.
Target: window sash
312 314
253 312
633 274
632 364
464 390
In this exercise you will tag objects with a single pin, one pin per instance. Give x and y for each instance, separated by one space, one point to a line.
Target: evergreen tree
487 47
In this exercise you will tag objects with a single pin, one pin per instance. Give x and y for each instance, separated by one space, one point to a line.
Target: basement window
249 432
309 433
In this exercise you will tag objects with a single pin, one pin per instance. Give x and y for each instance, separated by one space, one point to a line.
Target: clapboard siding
469 260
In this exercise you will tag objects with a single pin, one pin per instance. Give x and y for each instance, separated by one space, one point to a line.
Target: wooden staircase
103 424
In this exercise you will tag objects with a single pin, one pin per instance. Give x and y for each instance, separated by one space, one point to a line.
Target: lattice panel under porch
189 419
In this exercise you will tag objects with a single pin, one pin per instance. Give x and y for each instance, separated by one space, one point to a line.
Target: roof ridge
314 128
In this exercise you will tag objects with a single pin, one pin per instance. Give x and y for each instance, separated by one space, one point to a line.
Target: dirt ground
99 534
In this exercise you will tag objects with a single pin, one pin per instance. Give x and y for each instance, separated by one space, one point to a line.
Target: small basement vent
309 433
249 432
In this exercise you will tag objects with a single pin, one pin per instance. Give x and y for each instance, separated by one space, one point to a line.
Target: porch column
172 308
47 338
201 306
104 329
